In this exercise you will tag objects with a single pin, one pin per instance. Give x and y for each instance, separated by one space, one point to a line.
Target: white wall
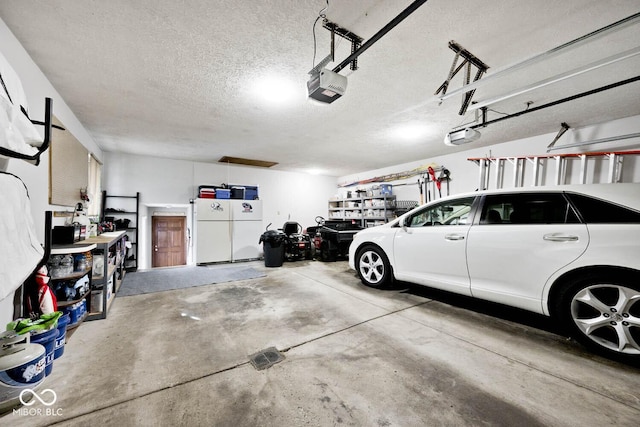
465 173
300 197
37 87
165 182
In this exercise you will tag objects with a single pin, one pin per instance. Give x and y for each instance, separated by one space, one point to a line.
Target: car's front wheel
602 311
373 267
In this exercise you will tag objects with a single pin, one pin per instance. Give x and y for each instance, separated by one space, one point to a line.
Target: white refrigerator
246 228
213 230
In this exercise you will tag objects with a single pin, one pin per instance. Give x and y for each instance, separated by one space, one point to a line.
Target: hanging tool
427 193
445 175
421 193
432 173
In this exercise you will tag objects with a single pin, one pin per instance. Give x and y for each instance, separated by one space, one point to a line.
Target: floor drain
266 358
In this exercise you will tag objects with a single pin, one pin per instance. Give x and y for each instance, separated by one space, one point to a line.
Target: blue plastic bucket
48 340
63 321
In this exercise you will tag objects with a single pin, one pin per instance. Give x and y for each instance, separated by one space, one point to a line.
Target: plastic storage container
63 321
238 193
48 340
22 366
223 193
251 193
76 311
386 189
207 193
97 299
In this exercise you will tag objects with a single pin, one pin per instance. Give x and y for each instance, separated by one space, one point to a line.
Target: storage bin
238 193
96 301
109 288
48 340
223 193
73 315
207 193
251 193
98 266
74 311
386 189
63 321
82 308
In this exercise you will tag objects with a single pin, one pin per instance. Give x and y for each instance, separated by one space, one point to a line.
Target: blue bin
251 193
72 312
63 321
223 193
48 340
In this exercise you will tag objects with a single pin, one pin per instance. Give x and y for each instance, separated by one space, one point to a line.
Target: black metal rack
47 123
27 291
131 263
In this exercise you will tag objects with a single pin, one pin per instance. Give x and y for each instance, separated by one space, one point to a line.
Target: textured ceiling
177 79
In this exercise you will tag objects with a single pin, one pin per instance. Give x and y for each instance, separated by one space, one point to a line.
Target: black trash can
273 245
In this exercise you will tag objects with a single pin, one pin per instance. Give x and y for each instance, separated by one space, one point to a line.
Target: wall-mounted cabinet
123 213
369 210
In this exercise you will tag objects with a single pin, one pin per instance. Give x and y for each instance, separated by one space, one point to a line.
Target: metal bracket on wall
469 60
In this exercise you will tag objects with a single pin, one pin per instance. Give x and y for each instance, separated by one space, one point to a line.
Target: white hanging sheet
20 250
17 133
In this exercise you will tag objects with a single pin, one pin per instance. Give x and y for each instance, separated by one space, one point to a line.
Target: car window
594 211
527 208
454 212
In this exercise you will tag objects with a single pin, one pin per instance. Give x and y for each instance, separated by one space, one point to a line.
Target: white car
571 252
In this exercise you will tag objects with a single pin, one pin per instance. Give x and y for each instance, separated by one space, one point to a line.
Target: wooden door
169 241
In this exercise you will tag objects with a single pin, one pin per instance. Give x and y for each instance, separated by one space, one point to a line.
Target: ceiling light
415 131
315 171
276 90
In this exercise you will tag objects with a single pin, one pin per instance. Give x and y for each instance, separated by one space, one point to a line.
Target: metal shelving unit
368 210
124 209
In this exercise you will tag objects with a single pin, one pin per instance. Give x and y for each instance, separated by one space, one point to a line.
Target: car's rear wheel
602 311
373 267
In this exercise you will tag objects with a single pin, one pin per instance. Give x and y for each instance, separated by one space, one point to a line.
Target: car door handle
454 237
559 237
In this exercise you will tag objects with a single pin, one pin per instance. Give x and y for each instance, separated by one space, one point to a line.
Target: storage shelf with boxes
372 206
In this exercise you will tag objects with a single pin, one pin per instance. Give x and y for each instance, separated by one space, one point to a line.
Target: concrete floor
354 356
